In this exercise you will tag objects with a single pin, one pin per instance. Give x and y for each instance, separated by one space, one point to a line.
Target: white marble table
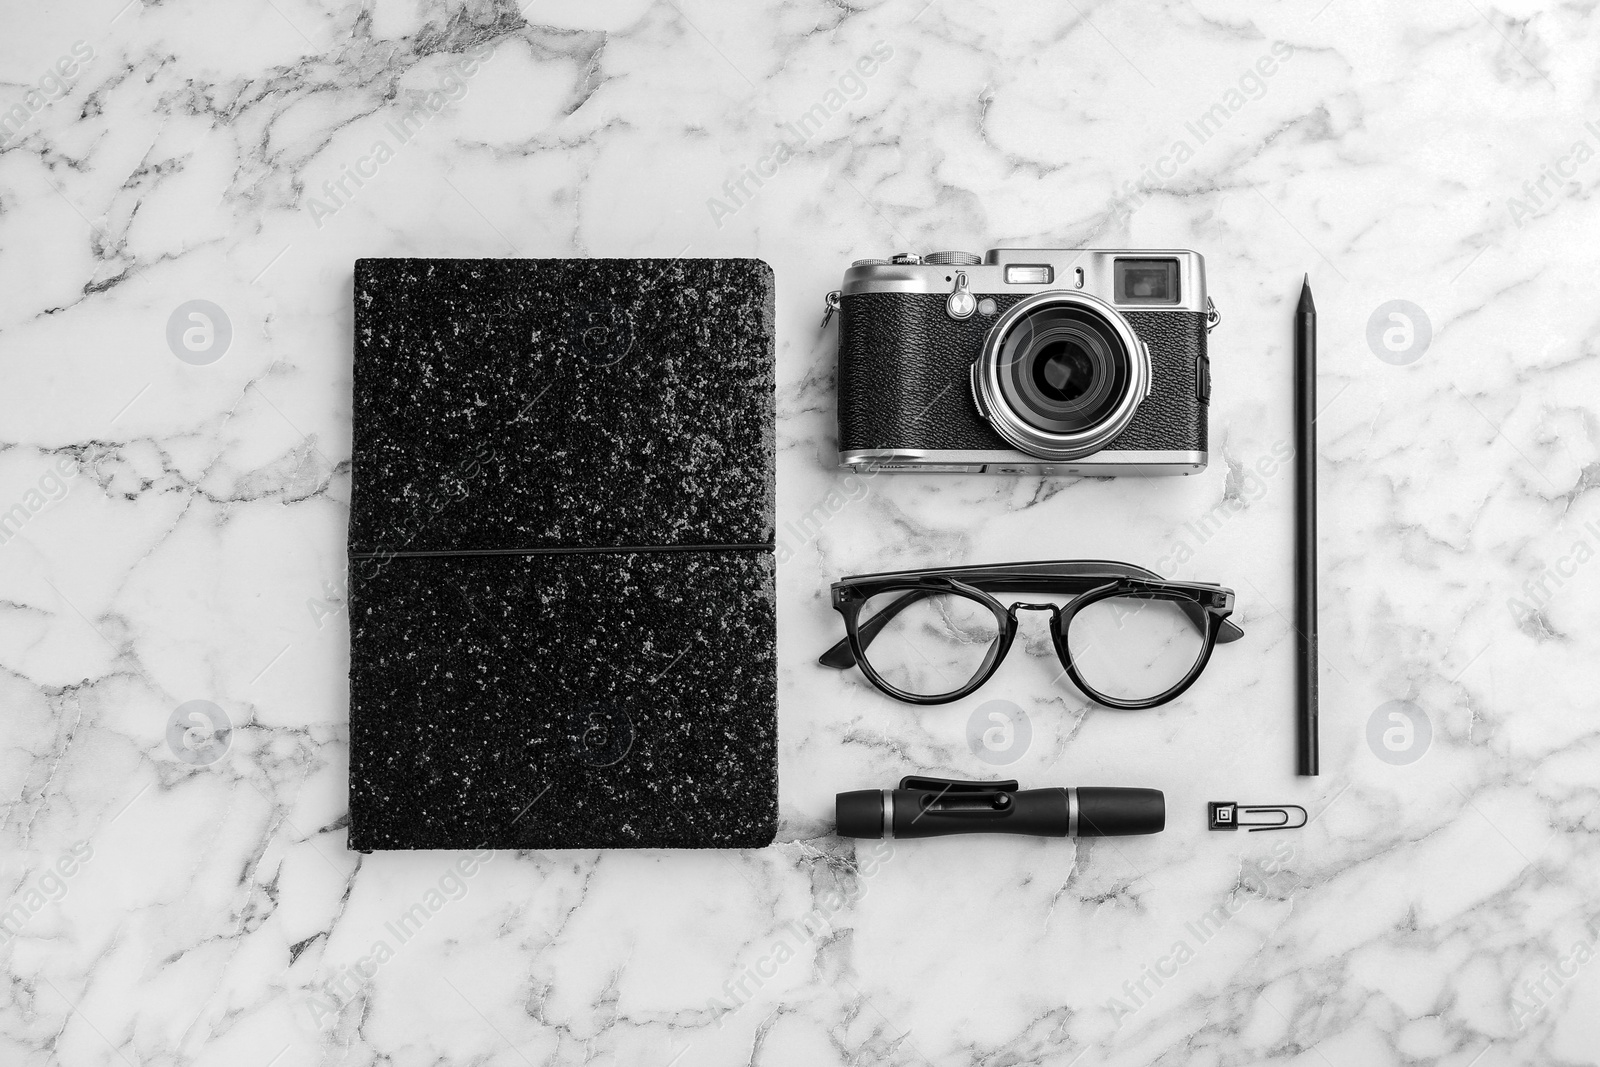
175 496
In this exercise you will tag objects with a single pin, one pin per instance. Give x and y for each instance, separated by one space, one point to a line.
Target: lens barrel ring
990 392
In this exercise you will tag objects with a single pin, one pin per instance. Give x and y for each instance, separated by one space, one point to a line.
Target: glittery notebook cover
562 624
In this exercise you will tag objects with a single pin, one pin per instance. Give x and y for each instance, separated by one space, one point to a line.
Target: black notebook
562 624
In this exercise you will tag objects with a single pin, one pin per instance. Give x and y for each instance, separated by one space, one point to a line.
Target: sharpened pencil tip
1305 297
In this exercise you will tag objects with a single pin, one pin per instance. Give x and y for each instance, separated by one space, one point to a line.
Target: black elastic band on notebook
563 551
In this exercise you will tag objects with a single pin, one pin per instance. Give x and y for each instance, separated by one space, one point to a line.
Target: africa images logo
198 732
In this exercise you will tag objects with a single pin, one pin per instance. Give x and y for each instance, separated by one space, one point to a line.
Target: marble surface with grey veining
184 189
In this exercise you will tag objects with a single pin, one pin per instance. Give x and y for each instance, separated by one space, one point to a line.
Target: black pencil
1305 529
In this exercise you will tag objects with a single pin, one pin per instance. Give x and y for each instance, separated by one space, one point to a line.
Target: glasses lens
1136 647
927 643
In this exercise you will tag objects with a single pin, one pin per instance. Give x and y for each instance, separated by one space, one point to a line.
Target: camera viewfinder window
1147 281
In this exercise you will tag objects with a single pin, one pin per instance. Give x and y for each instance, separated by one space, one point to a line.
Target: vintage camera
1026 361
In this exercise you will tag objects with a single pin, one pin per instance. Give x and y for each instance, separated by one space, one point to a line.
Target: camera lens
1063 370
1061 375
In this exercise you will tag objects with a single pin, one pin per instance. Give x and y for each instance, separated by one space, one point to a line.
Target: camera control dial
952 259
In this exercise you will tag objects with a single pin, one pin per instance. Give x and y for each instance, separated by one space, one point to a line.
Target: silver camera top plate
1026 271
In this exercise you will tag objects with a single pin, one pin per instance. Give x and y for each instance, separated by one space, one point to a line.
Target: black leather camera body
1025 361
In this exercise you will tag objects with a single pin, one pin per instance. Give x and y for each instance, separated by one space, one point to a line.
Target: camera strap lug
831 304
1213 316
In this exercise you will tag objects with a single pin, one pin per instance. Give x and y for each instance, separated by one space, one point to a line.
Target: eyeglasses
1128 638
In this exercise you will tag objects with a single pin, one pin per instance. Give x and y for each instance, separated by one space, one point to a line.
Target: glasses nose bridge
1053 609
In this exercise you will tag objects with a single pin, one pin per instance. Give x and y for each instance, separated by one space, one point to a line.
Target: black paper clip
1230 815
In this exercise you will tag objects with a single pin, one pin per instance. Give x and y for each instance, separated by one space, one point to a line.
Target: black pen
1305 529
939 807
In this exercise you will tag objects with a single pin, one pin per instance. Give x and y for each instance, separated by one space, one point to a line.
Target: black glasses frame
1088 581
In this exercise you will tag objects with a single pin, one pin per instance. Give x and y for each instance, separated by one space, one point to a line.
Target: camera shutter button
961 303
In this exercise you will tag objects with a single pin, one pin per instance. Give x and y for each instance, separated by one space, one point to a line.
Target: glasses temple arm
1198 616
1200 619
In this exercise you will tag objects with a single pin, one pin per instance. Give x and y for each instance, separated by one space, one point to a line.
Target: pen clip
1231 815
952 785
